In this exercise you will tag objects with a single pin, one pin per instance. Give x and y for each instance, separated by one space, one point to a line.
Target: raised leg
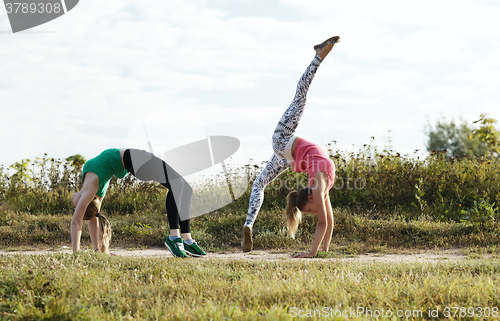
290 120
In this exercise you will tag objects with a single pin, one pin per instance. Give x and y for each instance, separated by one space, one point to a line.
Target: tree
456 138
487 133
77 161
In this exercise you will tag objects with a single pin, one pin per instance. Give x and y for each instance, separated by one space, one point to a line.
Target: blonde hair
104 232
295 201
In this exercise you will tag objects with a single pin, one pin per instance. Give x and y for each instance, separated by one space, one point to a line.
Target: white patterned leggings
282 134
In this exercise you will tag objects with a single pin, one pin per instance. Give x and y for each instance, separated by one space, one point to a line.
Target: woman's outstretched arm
81 201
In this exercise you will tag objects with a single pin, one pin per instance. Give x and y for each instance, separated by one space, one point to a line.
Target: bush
389 184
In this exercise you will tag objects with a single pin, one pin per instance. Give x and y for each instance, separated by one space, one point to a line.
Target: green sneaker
176 247
194 249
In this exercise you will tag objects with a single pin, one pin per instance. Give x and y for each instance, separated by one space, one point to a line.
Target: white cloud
386 82
452 93
418 31
340 101
431 106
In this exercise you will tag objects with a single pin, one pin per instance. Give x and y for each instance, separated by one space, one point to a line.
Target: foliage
455 138
440 187
487 134
437 186
77 161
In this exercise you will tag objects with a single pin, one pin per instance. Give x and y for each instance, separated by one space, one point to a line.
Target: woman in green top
98 171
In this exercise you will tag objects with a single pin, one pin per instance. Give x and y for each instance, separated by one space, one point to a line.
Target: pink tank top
310 158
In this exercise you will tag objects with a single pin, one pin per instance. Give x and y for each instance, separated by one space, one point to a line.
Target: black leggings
147 167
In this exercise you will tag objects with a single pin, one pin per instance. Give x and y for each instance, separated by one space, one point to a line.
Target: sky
185 69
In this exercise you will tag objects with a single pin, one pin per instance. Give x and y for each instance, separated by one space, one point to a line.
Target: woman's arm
319 191
93 225
330 222
82 200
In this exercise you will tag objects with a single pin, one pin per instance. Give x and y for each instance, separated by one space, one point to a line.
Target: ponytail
104 230
293 215
104 234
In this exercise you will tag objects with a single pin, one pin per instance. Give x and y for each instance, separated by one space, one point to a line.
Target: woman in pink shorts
303 156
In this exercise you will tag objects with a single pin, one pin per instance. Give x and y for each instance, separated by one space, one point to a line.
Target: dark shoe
327 42
247 243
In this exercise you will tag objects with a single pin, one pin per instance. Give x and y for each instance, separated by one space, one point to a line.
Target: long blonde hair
295 201
104 232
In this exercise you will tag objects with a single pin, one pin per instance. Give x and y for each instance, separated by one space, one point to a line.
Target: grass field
89 286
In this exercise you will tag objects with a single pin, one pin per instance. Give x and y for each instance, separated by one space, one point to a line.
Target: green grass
221 231
88 286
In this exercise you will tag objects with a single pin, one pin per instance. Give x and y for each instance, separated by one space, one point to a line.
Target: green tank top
105 165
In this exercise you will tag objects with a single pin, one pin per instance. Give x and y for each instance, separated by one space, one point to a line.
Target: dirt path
428 256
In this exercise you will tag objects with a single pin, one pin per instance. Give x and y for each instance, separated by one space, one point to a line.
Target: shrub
439 187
